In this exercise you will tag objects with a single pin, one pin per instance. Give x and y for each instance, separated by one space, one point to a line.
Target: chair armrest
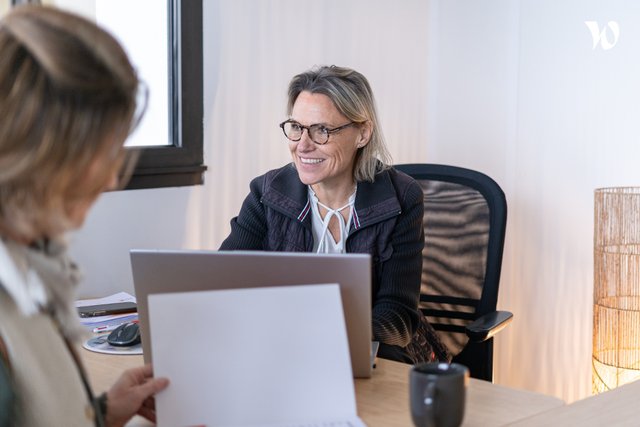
485 327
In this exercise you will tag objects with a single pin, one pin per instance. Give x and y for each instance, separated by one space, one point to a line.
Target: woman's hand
133 394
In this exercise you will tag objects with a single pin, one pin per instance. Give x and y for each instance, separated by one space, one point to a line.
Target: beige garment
48 384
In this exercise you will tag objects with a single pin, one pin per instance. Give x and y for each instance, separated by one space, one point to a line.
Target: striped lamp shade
616 293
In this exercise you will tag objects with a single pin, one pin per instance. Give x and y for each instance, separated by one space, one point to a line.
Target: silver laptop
163 271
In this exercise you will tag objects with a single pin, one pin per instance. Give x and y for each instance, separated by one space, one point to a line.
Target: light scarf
49 279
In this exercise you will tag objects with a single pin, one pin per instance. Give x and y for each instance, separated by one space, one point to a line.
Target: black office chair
464 222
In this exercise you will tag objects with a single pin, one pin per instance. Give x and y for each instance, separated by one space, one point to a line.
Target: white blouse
323 241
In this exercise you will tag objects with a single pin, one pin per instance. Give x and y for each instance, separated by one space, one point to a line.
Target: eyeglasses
318 133
142 100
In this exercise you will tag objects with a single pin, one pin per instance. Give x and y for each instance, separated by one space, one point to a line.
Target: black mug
437 393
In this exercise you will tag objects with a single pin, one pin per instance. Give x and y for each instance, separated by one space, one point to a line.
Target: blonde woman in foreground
67 103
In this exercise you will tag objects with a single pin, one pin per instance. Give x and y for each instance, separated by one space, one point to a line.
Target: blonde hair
67 100
351 94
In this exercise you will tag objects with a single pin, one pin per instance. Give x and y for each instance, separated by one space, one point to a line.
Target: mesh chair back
456 226
464 224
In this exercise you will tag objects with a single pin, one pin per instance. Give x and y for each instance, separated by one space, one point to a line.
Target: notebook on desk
162 271
244 362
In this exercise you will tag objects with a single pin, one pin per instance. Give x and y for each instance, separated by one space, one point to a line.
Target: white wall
521 94
509 87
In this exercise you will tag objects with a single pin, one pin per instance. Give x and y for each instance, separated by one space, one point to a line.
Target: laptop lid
163 271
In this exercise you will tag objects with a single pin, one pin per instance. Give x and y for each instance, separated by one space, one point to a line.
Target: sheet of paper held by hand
259 356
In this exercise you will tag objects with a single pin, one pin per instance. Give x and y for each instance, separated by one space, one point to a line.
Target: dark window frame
180 163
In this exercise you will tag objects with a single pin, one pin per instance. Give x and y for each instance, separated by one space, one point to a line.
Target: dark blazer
386 223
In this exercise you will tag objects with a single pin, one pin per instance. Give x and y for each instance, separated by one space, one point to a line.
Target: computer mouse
126 334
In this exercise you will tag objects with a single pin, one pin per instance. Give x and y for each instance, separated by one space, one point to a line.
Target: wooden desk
383 400
617 407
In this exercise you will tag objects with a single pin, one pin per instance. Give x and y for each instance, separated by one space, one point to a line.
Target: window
178 161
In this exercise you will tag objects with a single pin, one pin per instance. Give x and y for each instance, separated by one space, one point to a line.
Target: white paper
119 297
260 356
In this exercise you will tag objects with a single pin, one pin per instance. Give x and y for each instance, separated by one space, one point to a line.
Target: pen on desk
108 328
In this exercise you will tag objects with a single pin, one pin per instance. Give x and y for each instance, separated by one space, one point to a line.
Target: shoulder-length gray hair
351 94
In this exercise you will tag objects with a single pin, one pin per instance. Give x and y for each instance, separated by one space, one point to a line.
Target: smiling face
328 166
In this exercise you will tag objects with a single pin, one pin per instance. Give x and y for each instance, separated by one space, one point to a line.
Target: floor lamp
616 292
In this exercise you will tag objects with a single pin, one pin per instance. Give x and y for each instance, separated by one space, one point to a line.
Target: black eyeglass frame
316 126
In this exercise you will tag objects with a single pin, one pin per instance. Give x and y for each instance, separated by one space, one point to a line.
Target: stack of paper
110 322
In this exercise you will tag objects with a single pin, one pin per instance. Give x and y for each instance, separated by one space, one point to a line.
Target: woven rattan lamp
616 293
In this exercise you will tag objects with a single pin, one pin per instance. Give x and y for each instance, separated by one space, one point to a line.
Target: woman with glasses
67 103
339 195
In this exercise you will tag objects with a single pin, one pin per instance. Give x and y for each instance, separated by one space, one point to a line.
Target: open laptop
163 271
